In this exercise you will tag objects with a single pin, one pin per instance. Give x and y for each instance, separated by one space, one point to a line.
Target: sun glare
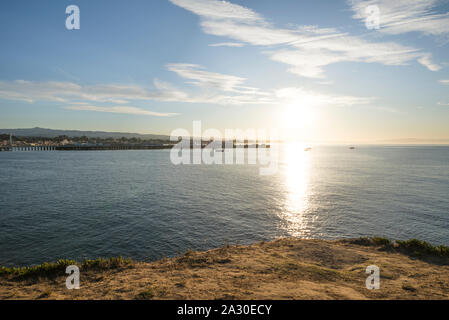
298 116
296 172
299 113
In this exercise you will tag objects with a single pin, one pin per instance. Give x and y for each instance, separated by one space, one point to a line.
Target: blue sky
154 66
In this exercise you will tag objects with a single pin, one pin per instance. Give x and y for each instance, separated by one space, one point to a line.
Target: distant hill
50 133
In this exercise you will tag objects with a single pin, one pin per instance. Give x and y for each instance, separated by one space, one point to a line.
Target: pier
112 147
84 148
28 148
33 148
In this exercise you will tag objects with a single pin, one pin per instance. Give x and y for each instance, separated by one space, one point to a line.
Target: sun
297 115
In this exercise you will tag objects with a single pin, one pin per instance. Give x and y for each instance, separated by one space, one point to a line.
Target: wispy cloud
307 98
445 81
203 78
306 49
213 80
218 9
403 16
217 88
80 97
242 94
31 91
120 110
426 60
227 44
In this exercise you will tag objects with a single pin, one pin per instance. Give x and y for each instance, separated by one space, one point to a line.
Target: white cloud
220 90
307 63
248 95
218 9
203 78
212 80
446 82
216 88
227 44
120 110
308 98
443 104
80 97
426 61
306 49
31 91
403 16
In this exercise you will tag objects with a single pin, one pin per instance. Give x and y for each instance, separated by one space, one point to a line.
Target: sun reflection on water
296 171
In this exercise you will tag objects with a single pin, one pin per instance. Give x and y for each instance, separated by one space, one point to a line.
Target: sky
323 71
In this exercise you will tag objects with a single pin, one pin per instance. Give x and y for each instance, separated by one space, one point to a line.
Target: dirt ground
282 269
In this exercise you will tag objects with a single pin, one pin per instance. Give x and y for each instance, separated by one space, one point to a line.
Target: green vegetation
53 269
422 248
375 241
44 270
382 241
111 263
412 247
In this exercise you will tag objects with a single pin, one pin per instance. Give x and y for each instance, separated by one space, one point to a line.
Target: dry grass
282 269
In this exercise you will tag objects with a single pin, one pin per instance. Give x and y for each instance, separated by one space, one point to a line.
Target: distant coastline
54 133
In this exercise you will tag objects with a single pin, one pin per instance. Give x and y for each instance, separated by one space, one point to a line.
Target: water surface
137 204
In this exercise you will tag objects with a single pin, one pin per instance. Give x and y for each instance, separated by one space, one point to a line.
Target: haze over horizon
313 70
51 133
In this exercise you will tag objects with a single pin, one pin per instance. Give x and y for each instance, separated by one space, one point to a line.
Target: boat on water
351 148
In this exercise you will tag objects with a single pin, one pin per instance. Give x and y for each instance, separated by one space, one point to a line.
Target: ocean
137 204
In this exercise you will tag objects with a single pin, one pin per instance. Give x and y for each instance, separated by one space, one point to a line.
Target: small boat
351 148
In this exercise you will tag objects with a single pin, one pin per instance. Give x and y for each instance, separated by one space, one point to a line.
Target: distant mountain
50 133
